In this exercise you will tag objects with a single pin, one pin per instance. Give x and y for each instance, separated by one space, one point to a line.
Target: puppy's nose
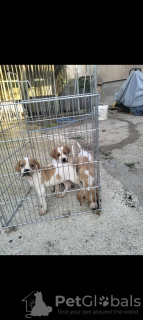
26 170
64 160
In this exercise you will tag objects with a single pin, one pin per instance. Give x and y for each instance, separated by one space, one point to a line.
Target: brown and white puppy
60 154
45 177
86 175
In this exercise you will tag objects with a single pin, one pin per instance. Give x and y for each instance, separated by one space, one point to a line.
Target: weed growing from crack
130 165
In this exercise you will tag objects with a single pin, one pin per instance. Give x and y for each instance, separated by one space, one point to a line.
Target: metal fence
31 126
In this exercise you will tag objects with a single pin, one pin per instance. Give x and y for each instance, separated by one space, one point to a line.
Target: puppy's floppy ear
68 149
38 164
53 153
80 196
17 167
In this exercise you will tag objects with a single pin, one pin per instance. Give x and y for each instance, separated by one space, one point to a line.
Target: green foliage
79 137
50 125
87 84
107 153
130 164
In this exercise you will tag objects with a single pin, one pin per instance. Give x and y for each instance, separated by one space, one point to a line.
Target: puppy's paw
61 195
42 212
56 195
94 206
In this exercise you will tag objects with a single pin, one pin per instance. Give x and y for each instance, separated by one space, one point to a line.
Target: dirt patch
133 135
130 199
130 180
12 229
125 130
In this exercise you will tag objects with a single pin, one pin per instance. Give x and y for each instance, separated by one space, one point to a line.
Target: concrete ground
118 229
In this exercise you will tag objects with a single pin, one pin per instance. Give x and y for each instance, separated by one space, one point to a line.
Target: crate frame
25 139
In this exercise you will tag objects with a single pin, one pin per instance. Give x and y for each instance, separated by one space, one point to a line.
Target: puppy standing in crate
86 175
61 155
45 177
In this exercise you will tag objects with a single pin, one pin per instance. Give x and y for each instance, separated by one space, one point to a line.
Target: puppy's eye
65 152
32 165
21 165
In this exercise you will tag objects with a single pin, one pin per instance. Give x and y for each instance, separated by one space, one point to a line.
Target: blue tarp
131 93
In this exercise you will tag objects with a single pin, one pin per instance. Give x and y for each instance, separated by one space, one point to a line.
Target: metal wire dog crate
34 118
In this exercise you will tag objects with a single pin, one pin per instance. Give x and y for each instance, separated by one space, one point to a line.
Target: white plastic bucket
102 111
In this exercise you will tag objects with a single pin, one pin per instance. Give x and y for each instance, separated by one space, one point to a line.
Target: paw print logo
104 301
